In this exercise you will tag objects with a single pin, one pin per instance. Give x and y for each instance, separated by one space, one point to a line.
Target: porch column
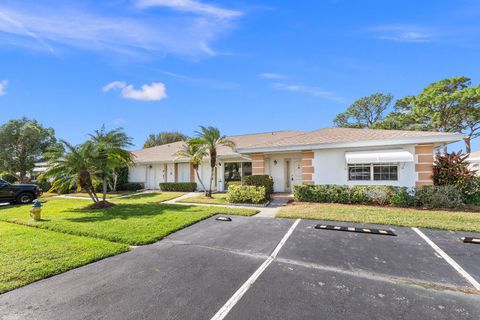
307 167
165 172
424 164
175 171
258 164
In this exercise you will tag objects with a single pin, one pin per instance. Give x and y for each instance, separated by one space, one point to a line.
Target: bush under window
178 186
263 180
246 194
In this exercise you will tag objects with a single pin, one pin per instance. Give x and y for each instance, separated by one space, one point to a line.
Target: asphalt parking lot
259 268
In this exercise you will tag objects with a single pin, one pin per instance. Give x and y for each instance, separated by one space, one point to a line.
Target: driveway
257 268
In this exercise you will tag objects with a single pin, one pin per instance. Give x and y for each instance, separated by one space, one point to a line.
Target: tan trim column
192 173
424 165
165 170
307 167
175 172
258 164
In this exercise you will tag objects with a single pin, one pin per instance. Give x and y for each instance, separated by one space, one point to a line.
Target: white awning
380 156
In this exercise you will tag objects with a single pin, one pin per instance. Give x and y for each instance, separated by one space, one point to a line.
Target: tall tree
192 149
22 143
164 138
365 112
471 115
210 140
71 166
110 153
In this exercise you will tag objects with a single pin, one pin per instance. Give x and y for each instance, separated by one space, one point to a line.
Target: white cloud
311 90
402 33
148 92
3 87
193 6
120 31
271 75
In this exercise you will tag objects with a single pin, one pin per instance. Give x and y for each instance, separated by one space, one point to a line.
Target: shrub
438 197
471 191
178 186
246 194
404 197
425 197
452 169
260 181
130 186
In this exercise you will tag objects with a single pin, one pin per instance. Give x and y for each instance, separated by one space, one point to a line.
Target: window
235 171
359 172
385 172
376 172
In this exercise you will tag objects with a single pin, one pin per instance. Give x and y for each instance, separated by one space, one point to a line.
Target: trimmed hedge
130 186
246 194
426 196
178 186
260 181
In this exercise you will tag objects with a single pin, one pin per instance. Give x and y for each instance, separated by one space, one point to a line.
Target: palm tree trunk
90 194
209 192
104 187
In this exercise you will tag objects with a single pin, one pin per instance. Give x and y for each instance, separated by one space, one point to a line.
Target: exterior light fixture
275 162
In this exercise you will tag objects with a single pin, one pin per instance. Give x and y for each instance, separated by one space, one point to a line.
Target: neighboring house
40 167
325 156
474 159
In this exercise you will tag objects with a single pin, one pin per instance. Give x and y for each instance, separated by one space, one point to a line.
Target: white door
150 177
296 172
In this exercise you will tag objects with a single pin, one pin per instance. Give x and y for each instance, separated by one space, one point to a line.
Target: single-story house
326 156
474 159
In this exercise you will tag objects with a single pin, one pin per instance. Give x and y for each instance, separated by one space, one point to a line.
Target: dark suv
18 193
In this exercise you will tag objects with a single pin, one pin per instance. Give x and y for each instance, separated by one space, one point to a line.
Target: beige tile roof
166 152
291 138
343 135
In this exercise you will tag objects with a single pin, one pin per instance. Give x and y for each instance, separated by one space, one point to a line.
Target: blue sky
243 66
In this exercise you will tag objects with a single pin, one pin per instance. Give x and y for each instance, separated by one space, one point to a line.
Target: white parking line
222 313
447 258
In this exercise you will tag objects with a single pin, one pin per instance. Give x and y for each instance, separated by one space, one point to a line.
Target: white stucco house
474 159
325 156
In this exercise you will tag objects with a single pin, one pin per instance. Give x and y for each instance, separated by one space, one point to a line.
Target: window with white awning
380 156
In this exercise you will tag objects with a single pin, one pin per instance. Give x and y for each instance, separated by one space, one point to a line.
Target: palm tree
71 166
210 139
193 150
110 153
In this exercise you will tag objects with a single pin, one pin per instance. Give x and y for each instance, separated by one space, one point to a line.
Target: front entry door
296 172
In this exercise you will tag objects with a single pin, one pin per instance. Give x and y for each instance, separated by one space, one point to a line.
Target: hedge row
178 186
425 197
246 194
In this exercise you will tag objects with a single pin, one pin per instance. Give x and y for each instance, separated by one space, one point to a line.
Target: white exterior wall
331 168
137 174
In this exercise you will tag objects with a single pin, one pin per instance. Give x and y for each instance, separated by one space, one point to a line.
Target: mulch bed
99 205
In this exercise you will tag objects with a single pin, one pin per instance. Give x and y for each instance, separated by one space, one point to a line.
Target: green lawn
217 198
109 195
447 220
30 254
140 219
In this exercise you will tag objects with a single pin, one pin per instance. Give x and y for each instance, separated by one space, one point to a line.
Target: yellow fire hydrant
36 210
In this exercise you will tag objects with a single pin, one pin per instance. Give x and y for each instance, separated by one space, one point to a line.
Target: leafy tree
164 138
365 112
193 150
210 140
22 144
71 166
471 115
110 154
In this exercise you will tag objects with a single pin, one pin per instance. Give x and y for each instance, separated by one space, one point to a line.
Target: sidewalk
278 201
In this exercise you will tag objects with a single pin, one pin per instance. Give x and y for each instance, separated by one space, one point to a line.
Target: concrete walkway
278 201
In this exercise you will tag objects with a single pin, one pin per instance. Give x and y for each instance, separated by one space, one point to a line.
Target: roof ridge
266 132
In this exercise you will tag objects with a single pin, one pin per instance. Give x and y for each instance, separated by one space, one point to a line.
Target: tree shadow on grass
126 211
